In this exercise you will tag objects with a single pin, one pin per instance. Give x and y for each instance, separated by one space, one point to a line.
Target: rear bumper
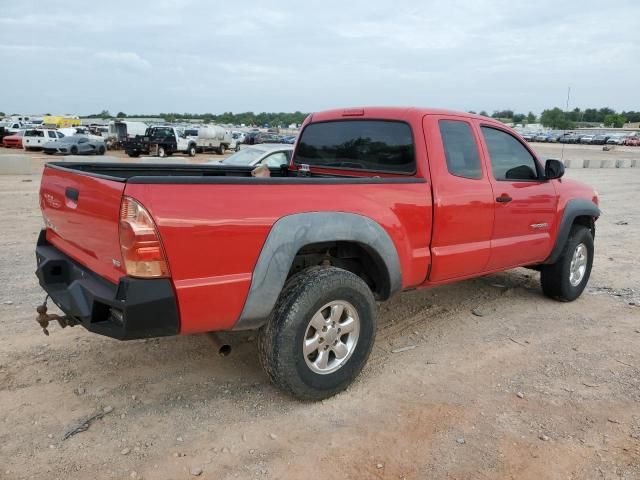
134 308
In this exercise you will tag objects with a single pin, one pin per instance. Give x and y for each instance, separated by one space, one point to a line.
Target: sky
210 56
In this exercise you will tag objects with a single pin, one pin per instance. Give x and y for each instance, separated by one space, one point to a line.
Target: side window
52 134
460 149
509 159
60 134
275 160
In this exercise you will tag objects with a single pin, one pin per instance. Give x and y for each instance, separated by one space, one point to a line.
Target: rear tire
221 149
74 150
101 150
162 153
320 333
192 151
566 279
133 154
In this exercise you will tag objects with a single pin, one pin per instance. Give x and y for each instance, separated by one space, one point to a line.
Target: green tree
531 118
555 118
483 113
2 114
121 115
518 117
614 120
104 114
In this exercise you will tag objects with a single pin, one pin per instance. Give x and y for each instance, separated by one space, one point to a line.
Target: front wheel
566 279
101 150
320 333
221 149
162 153
192 151
74 150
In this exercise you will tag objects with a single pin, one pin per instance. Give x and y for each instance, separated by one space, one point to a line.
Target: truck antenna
564 131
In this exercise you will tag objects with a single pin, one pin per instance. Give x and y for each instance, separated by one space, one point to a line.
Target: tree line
274 119
563 120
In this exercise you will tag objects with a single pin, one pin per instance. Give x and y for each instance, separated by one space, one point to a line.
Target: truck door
462 199
525 204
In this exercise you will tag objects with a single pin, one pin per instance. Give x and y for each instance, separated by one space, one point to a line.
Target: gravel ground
524 388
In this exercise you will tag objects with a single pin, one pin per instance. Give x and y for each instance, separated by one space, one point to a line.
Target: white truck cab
34 139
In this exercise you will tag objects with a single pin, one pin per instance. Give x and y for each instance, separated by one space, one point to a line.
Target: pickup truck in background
162 141
373 202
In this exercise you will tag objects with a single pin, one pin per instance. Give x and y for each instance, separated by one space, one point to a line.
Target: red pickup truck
374 201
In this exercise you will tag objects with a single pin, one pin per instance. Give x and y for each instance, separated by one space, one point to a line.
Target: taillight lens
142 251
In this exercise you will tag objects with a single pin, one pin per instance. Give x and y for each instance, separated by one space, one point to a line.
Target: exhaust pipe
223 348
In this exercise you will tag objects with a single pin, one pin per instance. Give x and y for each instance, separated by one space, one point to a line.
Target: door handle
504 198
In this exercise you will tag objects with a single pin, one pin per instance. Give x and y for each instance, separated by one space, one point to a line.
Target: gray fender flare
575 208
289 234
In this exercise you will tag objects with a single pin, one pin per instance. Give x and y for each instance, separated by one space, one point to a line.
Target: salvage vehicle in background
632 141
34 139
600 139
374 201
161 141
215 138
271 155
14 140
587 139
75 145
121 131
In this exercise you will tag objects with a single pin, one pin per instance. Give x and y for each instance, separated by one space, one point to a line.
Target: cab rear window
371 145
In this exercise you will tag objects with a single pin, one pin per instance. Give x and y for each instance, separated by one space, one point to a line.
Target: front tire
162 153
320 333
566 279
192 151
221 149
74 150
101 150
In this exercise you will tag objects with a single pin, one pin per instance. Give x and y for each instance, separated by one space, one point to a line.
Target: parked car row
67 141
582 138
255 137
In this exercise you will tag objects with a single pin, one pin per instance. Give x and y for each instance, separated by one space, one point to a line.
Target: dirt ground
525 388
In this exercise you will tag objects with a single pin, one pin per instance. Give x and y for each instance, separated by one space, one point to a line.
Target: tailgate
82 213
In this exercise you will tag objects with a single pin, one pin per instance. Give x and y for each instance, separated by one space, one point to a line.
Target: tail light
140 244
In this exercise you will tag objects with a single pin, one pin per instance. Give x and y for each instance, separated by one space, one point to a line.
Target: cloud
125 60
199 55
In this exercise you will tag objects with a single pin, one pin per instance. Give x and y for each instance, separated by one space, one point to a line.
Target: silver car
270 154
75 145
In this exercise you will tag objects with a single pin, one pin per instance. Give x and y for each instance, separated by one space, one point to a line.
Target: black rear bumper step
134 308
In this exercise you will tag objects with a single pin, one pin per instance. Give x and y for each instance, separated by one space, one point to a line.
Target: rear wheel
101 150
221 149
320 333
162 152
74 150
566 279
133 154
192 151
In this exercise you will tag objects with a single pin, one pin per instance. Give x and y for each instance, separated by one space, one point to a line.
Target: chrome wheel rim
578 265
331 337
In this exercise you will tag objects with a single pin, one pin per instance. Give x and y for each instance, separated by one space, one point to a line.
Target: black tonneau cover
210 173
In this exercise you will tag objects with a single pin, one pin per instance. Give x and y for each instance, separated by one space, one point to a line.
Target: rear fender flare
289 234
575 208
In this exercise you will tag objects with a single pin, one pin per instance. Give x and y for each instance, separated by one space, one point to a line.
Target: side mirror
553 169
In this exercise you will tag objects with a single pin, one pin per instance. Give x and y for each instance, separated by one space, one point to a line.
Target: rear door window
372 145
460 149
52 134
